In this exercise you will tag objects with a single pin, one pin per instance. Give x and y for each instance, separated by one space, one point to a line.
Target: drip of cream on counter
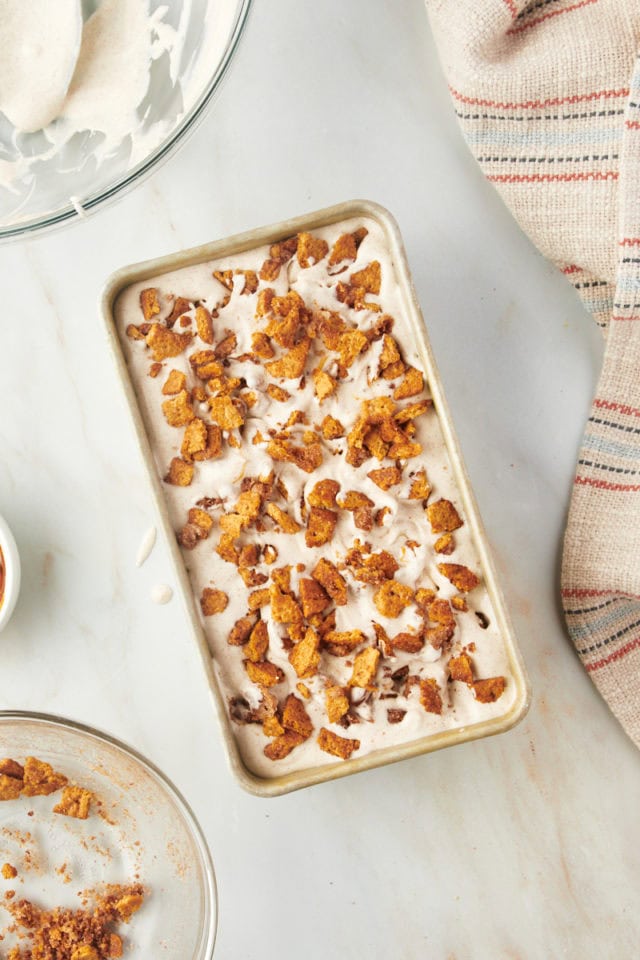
146 546
161 593
40 45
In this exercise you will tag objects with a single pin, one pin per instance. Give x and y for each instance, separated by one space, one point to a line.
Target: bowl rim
209 931
76 212
12 572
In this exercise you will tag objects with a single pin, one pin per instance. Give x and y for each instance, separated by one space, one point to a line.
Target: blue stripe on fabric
533 139
628 284
609 620
623 450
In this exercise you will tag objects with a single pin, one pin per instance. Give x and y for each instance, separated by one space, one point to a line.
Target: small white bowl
11 573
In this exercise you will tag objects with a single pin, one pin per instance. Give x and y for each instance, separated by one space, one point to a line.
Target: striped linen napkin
548 96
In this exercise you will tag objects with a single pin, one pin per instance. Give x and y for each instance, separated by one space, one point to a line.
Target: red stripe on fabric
548 16
605 485
632 124
580 593
527 104
630 242
630 319
572 269
618 655
551 177
620 407
513 10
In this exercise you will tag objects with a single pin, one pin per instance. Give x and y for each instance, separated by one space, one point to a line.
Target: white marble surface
524 846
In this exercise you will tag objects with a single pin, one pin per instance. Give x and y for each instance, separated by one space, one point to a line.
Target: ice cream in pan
309 484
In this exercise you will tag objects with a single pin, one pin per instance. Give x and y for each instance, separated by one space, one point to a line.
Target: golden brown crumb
459 603
8 871
392 597
149 303
305 656
420 488
264 673
331 428
488 691
444 544
385 477
180 473
310 249
412 411
40 779
335 745
292 364
282 746
313 597
178 410
350 345
341 642
286 522
424 597
81 934
320 526
256 647
407 642
443 517
241 630
460 576
410 386
213 601
354 500
11 779
75 802
204 324
324 384
195 439
259 598
327 574
261 345
460 668
277 393
430 696
369 278
374 569
165 343
337 703
271 727
364 667
324 494
134 333
295 717
346 246
225 413
175 383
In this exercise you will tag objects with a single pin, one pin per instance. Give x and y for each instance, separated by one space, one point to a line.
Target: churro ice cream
309 486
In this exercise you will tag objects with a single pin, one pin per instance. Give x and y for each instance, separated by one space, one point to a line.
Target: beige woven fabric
548 95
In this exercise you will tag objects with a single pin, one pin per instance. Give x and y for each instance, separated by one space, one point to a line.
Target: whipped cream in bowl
118 90
9 573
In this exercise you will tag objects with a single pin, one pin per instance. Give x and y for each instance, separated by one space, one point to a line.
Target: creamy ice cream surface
309 484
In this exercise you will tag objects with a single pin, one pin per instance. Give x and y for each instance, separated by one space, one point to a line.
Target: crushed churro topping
87 933
313 497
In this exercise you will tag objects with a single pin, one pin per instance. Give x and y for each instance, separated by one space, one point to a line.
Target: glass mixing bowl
68 169
139 828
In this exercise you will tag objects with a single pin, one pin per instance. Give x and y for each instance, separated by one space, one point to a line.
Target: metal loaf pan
278 785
